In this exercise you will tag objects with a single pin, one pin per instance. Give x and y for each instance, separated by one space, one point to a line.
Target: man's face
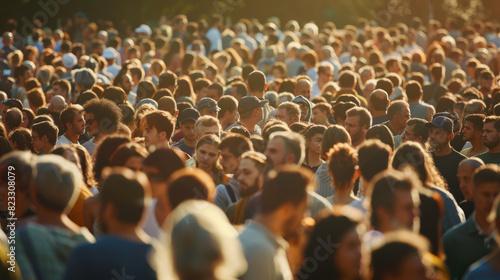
485 84
205 130
231 117
38 141
469 132
403 118
354 128
304 109
405 210
409 134
275 152
282 115
234 93
304 90
319 117
213 93
491 137
188 130
92 125
78 124
484 196
248 177
201 94
152 137
438 138
127 83
56 90
465 175
326 76
229 161
206 112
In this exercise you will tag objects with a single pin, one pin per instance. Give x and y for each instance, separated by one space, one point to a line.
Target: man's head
250 108
416 130
57 183
44 136
394 201
238 90
379 101
440 132
473 127
207 125
249 172
208 107
186 184
231 148
325 72
61 87
158 128
371 151
357 122
486 188
72 119
304 88
398 114
101 117
321 112
257 81
284 197
491 132
413 91
347 79
13 119
288 112
200 87
215 91
465 175
285 148
124 196
437 72
228 113
187 120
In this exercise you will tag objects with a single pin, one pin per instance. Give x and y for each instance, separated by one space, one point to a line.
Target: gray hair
294 143
85 78
57 182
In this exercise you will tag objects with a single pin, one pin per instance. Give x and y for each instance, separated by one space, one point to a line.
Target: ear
163 135
265 86
176 113
357 173
452 135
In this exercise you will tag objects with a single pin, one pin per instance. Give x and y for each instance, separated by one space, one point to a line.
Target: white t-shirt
64 140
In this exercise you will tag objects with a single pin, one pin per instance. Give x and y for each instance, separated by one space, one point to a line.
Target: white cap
143 28
69 60
108 53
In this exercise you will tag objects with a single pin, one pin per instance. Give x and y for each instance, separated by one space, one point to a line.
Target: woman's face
206 156
348 255
315 143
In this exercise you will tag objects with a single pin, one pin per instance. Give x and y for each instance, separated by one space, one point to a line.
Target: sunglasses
90 121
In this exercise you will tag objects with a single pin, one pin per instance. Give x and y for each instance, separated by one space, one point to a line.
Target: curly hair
342 164
106 112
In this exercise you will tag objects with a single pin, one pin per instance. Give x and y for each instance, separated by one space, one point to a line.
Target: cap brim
263 102
188 119
214 108
429 125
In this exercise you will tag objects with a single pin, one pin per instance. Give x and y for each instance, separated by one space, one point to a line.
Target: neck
189 142
313 159
46 150
271 223
53 218
395 128
248 124
73 137
258 94
483 223
477 144
343 195
98 137
413 101
128 231
357 143
495 149
378 113
443 151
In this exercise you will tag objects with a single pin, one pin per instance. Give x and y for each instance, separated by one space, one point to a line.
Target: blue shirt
185 148
111 257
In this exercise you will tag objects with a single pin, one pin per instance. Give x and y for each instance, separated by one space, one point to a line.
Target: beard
492 144
246 192
356 136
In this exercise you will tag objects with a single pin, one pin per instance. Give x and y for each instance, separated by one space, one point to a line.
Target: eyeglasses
90 121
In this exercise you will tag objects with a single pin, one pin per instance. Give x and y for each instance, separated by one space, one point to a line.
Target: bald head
57 104
472 162
465 175
304 88
379 100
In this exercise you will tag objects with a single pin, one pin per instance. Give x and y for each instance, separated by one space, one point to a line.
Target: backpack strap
239 211
231 193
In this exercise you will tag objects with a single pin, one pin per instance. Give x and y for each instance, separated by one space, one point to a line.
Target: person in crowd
187 120
473 132
491 140
73 124
398 114
378 104
44 136
416 130
206 157
465 175
357 122
158 128
250 110
314 139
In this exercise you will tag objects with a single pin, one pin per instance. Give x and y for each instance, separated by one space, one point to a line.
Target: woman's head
333 135
207 152
129 155
314 138
342 164
342 260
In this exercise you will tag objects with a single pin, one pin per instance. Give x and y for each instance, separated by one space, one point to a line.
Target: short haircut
167 79
13 118
419 128
161 120
323 106
285 184
495 120
68 115
413 90
176 161
256 81
186 184
137 71
115 94
199 84
489 173
342 162
383 192
382 133
48 129
292 109
104 110
258 158
386 85
65 85
227 103
379 104
128 191
207 121
36 97
365 118
347 79
85 78
218 87
371 151
477 121
22 138
57 182
294 144
396 107
125 151
168 104
437 71
237 144
333 135
241 88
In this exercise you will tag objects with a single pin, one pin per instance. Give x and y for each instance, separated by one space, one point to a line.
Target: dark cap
13 103
209 104
248 103
441 123
189 114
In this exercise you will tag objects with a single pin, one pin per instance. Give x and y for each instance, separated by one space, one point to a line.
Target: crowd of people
204 150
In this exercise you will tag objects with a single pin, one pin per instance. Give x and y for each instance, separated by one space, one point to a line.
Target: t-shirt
185 148
64 140
482 270
90 146
379 119
111 257
448 166
490 157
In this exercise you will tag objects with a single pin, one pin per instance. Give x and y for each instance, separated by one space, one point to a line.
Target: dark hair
13 118
495 120
340 109
477 121
186 184
68 114
372 151
347 79
22 138
165 168
386 85
86 96
127 191
125 151
236 143
201 83
333 135
167 79
227 103
342 162
382 133
379 104
256 81
145 89
217 87
241 88
160 120
48 129
489 173
413 90
115 94
107 114
419 128
30 115
285 184
104 151
86 164
365 118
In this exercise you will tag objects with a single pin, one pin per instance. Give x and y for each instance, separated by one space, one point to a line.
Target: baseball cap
108 53
189 114
69 60
143 28
209 104
146 101
441 123
13 103
248 103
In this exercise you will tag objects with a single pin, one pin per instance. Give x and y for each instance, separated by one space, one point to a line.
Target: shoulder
455 233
